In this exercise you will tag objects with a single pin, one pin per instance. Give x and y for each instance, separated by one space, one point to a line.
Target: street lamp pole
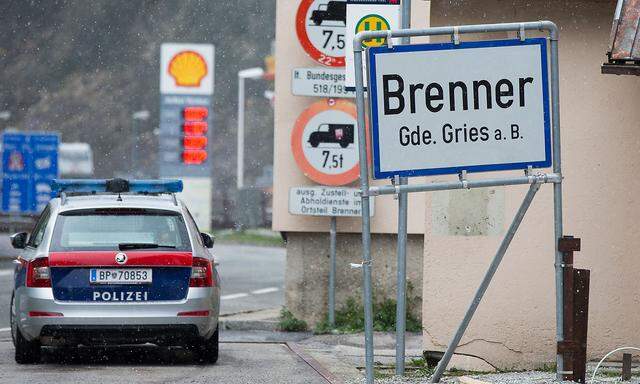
251 73
142 115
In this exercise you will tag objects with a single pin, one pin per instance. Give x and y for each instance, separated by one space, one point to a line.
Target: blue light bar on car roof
116 186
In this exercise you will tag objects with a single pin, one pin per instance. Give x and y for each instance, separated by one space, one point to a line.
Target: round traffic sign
325 142
373 22
320 25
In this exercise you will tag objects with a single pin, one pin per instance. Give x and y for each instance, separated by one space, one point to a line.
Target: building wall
307 274
308 241
514 326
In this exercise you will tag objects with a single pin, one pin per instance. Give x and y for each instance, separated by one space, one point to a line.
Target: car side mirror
19 240
207 240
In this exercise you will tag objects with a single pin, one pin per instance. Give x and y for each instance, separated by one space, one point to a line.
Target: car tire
208 353
314 143
344 144
26 352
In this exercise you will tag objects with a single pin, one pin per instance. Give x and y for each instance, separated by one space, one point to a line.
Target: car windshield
118 229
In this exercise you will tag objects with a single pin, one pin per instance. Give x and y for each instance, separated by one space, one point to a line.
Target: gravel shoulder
529 377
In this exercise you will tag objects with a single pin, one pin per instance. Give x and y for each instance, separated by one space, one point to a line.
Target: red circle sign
324 142
321 26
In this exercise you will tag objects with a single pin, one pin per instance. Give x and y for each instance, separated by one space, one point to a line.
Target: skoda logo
121 258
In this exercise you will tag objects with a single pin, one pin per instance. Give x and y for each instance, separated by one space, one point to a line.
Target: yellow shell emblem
188 68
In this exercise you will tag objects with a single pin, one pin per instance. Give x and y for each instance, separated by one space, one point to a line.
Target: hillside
82 68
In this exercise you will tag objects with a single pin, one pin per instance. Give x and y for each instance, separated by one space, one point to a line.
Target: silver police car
115 262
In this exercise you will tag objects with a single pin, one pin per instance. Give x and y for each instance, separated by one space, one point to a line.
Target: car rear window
109 229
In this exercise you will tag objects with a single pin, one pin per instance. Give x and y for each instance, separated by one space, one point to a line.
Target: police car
115 262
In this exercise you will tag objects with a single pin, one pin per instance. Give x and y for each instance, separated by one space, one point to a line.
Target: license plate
121 276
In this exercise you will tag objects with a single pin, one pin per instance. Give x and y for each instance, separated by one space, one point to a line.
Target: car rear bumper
92 335
146 317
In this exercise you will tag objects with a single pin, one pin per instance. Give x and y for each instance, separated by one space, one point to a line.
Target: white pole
240 159
250 73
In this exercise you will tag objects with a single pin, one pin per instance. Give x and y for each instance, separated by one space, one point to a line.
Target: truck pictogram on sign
320 26
331 11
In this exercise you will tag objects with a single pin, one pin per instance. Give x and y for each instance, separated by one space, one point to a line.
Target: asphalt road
239 362
252 278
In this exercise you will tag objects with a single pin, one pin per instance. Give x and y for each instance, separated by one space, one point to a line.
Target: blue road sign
29 164
45 168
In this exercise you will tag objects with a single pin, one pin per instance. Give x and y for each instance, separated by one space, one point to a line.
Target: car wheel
27 352
208 352
344 144
12 315
317 21
314 143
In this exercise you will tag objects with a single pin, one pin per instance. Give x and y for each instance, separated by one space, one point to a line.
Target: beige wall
287 109
307 283
515 324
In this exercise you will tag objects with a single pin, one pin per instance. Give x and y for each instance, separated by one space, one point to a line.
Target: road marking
264 290
256 292
233 296
5 329
6 272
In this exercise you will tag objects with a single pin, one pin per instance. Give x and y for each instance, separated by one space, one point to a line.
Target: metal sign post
403 206
403 152
329 202
332 271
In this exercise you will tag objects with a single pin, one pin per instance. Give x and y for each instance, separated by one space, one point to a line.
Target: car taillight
45 314
201 273
38 273
194 314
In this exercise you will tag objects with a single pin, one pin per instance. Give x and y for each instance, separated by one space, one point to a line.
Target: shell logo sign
186 69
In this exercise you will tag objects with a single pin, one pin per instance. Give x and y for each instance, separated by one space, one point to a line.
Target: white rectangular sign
320 82
197 196
326 201
368 15
444 108
186 69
